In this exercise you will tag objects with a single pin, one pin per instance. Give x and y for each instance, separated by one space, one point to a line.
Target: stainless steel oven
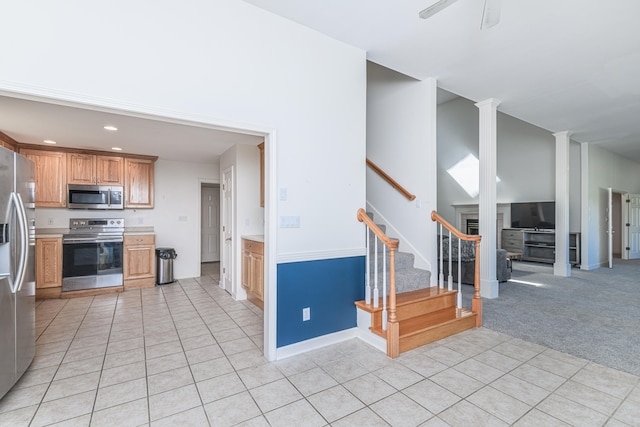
92 254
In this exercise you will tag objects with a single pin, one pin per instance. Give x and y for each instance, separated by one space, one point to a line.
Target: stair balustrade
372 293
476 303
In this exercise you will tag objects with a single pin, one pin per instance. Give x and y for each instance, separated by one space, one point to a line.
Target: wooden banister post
476 304
393 327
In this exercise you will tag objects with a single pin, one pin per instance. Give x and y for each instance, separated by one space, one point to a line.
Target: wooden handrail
363 217
451 228
390 180
393 326
476 302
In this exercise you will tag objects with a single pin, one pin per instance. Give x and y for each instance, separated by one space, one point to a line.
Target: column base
562 269
489 288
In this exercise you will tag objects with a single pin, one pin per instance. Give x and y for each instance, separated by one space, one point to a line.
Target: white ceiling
559 64
31 122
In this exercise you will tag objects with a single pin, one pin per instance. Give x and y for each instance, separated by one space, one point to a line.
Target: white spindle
441 275
367 289
375 275
459 296
450 278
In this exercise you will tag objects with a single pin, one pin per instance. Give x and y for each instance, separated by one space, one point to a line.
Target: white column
488 138
584 206
562 267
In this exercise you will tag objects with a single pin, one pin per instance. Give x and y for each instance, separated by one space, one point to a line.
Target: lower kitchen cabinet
139 261
48 267
253 271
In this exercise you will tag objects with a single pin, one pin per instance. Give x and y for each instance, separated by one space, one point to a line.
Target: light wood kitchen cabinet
253 270
51 177
48 267
7 142
138 183
93 169
139 261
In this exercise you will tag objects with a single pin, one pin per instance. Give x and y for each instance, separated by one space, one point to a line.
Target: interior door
210 224
633 226
227 230
610 226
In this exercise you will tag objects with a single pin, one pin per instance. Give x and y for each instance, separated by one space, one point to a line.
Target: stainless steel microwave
95 196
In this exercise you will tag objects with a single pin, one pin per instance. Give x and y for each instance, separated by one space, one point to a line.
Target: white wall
221 61
401 140
525 155
175 217
606 170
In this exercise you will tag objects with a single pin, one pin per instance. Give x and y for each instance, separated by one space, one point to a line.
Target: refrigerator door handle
24 242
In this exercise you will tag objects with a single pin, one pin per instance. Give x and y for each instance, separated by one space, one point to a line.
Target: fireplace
472 226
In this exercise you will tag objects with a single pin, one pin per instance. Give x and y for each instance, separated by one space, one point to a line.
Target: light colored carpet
592 314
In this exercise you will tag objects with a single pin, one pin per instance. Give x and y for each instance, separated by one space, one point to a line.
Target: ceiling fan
490 12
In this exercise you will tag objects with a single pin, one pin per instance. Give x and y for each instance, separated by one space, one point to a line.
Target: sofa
468 260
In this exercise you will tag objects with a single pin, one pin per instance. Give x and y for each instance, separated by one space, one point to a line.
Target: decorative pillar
488 138
562 267
584 206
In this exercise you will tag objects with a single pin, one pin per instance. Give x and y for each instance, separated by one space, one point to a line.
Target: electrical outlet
306 314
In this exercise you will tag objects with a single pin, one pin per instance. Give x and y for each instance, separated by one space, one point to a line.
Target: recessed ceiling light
111 128
116 148
48 141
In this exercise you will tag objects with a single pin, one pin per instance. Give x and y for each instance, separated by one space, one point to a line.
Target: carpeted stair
408 278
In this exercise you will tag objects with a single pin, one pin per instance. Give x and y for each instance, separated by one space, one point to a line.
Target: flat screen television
537 215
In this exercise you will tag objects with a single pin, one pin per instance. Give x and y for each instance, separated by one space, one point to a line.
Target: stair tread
422 323
409 298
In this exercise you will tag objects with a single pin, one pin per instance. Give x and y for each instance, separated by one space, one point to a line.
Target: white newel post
562 267
488 138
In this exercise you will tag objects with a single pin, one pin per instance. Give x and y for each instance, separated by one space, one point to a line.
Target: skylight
467 174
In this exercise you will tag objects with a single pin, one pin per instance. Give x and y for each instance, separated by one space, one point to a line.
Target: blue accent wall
328 287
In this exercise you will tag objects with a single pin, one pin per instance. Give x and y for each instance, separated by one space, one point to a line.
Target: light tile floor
187 354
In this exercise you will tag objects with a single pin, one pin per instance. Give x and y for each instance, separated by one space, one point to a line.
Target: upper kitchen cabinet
51 177
7 142
138 182
94 169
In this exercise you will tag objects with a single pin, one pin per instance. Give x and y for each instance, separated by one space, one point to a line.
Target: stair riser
436 333
418 308
402 260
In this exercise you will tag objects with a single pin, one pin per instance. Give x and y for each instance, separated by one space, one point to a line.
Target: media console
538 245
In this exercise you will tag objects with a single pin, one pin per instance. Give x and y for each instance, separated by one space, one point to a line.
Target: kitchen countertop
50 233
255 237
132 231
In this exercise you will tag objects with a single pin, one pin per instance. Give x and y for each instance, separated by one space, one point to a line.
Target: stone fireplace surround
467 212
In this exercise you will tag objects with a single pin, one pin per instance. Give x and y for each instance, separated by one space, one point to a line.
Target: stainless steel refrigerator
17 272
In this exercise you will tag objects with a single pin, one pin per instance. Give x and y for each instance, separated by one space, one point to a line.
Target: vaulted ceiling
559 64
563 65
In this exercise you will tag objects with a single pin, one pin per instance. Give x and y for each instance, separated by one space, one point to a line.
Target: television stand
539 245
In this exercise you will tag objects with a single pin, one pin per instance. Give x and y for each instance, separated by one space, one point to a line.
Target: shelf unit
539 246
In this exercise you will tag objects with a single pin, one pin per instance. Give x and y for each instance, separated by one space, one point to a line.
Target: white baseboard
373 340
315 343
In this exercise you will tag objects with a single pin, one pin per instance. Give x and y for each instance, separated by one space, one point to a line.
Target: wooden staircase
424 316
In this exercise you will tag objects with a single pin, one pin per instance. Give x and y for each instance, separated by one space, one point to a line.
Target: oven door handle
92 240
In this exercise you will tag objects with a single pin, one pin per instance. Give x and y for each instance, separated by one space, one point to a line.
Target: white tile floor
187 354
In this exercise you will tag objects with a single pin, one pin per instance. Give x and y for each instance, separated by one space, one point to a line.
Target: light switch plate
289 222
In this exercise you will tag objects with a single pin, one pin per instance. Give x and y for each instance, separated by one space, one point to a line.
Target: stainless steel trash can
164 265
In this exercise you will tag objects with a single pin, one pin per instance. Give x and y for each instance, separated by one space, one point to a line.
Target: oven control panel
92 223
